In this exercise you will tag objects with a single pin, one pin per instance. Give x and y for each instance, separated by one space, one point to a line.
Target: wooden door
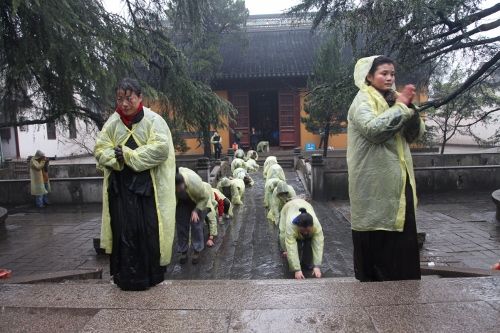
240 100
289 117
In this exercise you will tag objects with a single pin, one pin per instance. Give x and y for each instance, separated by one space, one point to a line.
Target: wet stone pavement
60 238
461 231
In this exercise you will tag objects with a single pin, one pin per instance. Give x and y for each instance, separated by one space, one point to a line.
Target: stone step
435 305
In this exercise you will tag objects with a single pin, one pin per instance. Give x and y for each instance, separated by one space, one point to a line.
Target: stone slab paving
461 229
327 305
60 238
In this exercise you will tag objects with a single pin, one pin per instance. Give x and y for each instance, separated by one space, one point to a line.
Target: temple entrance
264 115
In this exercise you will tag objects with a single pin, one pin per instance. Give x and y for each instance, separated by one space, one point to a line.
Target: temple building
264 75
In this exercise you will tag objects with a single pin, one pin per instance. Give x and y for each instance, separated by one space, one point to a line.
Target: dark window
51 131
72 128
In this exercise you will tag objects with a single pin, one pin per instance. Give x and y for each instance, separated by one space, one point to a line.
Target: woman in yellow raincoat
301 238
136 153
381 124
40 185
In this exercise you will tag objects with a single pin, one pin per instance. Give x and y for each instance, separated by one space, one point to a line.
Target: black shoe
184 258
196 258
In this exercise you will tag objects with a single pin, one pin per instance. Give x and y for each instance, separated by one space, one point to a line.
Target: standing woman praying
136 153
382 188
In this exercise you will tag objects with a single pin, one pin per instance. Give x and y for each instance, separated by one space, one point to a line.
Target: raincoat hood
225 182
282 187
240 154
39 154
361 70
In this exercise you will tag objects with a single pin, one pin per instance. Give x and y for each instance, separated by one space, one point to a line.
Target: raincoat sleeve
414 128
212 213
317 246
153 153
379 128
104 150
37 165
282 227
292 249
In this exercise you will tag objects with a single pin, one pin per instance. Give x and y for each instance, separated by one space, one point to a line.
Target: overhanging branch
465 86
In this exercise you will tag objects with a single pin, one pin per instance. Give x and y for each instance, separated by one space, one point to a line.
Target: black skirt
135 259
388 255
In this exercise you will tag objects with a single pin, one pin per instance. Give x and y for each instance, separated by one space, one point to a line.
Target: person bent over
232 188
224 206
193 204
301 238
281 195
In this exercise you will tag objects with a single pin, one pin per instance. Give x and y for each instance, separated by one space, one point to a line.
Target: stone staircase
324 305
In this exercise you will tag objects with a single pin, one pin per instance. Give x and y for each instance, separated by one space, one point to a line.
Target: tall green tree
198 29
61 60
331 91
420 35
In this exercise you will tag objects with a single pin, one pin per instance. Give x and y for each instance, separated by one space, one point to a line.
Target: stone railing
80 190
327 183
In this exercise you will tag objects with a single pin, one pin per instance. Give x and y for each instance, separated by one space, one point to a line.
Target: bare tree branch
481 28
465 86
461 46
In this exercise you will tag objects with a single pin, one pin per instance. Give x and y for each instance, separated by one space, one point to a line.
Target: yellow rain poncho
36 175
269 187
237 163
276 171
212 214
252 155
378 156
270 160
277 201
237 187
289 234
155 153
196 189
240 153
241 173
251 165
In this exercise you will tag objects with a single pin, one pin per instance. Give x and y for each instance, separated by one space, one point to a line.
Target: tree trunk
326 138
207 146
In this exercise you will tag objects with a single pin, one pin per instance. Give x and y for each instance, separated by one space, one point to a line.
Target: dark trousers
217 150
388 255
227 205
305 253
185 227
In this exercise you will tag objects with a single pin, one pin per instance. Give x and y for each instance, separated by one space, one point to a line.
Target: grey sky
254 6
278 6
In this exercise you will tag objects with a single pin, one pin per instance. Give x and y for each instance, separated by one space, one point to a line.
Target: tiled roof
269 53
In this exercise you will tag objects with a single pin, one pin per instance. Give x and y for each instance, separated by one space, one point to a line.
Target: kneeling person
301 238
